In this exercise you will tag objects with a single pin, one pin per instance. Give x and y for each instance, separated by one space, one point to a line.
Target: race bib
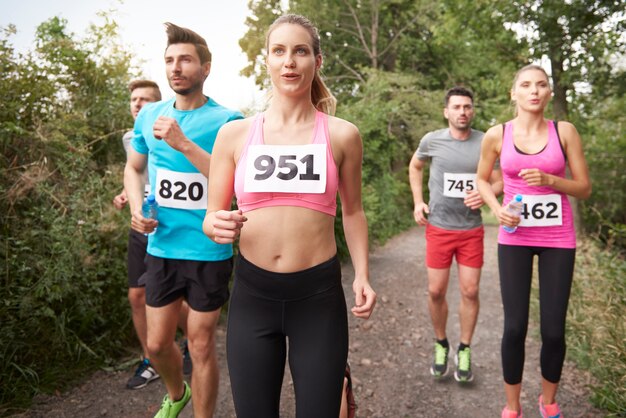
542 210
286 168
456 184
181 190
146 191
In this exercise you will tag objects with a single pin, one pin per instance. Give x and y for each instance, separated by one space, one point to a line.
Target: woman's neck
529 121
287 110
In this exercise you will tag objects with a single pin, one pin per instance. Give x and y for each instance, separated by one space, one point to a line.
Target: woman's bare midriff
286 239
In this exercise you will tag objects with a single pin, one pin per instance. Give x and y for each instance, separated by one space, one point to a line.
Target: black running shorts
203 284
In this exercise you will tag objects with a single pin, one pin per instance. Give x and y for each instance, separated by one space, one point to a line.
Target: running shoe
170 409
463 360
187 366
144 374
549 411
507 413
439 367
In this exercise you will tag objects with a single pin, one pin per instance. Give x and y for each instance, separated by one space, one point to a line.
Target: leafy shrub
63 245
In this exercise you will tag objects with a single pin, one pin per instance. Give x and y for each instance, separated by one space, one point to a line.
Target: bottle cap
151 198
518 197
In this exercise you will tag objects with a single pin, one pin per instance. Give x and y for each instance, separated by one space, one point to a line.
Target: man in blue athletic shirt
175 137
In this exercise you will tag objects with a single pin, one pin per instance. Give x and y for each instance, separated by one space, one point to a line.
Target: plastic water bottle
514 208
150 209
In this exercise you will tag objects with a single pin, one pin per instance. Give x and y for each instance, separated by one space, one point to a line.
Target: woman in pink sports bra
286 166
534 153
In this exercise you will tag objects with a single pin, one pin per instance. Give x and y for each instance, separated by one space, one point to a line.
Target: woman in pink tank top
534 153
286 166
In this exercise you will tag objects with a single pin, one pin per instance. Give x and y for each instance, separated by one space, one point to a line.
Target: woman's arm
348 138
489 153
221 224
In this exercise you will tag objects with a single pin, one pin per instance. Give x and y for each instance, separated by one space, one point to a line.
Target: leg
469 257
256 352
515 265
182 318
556 269
136 267
205 375
162 348
437 304
469 278
137 300
317 328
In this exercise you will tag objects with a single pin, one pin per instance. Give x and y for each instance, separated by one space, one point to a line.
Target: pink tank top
282 175
547 219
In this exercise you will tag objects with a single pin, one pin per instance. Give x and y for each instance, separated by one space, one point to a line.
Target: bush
64 307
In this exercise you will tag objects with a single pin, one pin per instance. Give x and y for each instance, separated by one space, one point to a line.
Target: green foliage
596 332
392 114
264 12
582 40
604 213
63 112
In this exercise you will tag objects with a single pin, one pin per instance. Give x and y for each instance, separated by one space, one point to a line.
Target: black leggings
267 309
556 268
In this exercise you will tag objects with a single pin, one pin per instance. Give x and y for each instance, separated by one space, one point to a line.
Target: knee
437 294
553 339
470 293
137 298
156 347
201 348
514 333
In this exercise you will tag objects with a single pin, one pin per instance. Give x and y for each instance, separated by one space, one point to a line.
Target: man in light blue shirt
176 138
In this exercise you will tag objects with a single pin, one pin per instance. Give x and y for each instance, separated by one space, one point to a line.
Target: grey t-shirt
453 165
126 140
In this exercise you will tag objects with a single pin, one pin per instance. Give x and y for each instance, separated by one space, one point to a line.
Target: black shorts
135 261
203 284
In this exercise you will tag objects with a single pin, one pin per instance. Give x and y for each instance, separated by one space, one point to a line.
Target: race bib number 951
542 210
286 168
181 190
456 184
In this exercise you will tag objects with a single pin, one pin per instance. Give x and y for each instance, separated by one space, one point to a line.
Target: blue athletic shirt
179 188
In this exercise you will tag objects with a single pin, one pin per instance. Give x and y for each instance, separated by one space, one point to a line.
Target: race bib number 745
456 184
286 168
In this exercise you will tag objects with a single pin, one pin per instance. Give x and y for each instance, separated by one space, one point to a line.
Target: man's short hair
137 84
178 35
458 91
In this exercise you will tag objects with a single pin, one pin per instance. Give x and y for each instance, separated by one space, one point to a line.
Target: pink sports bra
264 171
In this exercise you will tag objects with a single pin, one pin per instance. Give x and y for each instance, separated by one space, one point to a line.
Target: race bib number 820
181 190
286 168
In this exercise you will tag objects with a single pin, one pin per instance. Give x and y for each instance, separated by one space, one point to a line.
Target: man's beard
186 91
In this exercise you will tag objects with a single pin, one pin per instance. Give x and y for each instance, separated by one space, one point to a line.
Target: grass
596 331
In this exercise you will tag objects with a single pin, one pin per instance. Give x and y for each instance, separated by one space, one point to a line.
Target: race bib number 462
286 168
542 210
181 190
456 184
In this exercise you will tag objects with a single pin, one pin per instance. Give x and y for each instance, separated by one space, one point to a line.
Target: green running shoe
463 360
171 409
439 367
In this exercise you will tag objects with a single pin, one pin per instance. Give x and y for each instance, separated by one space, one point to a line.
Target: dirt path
390 356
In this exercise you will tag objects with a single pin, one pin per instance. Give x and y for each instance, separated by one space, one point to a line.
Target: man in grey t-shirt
453 223
142 92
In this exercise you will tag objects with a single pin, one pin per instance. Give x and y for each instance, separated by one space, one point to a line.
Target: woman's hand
535 177
227 225
364 298
506 218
